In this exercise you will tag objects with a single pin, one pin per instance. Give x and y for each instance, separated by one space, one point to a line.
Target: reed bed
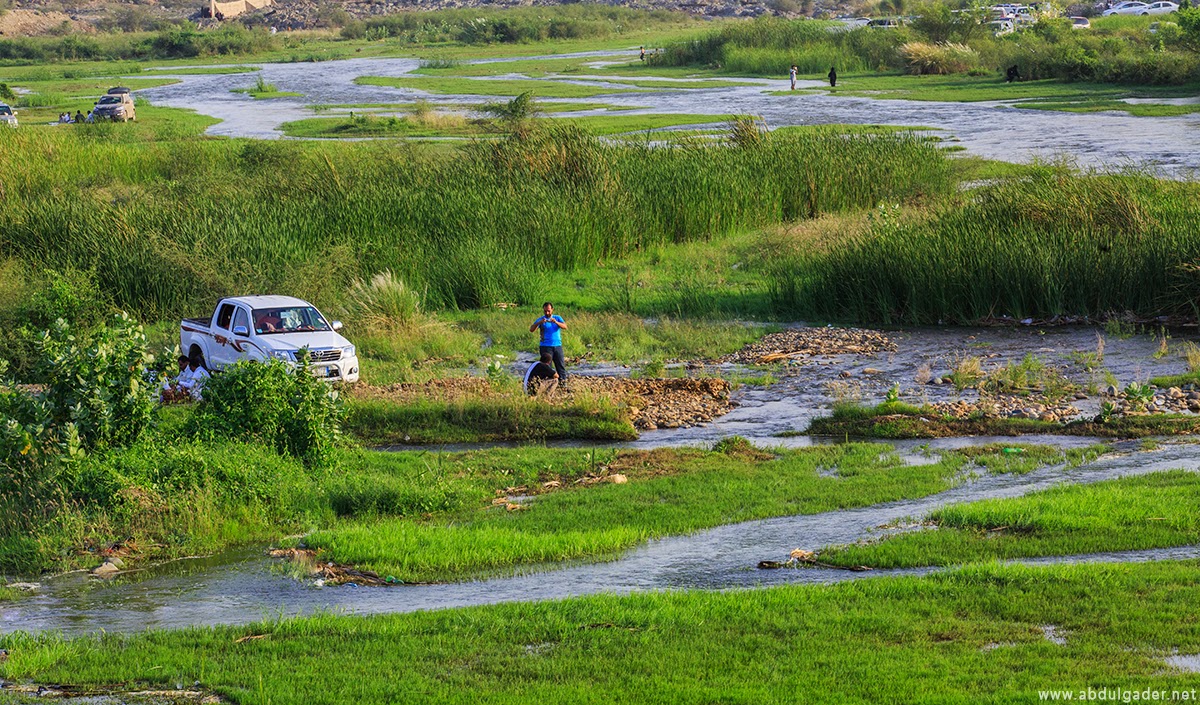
167 225
1049 244
769 46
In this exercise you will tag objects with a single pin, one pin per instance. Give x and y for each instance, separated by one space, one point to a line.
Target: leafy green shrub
273 403
95 398
98 385
32 305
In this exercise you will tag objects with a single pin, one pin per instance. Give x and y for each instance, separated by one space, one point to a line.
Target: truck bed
199 322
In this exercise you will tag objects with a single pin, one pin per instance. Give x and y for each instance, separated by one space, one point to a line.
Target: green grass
421 516
1135 513
445 343
969 89
266 95
898 421
204 70
1179 380
335 127
669 492
538 206
499 87
1050 242
1111 52
968 635
1095 106
371 126
513 417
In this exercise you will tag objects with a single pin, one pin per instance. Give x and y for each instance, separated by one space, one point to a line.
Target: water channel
1169 145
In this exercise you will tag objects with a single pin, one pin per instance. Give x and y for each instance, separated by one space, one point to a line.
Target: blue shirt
551 337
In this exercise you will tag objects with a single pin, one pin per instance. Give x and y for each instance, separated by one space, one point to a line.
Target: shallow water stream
993 130
244 586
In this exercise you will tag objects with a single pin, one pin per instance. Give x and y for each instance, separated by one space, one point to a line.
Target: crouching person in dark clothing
541 379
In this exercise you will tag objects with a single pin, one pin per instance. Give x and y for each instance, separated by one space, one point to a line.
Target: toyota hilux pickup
265 327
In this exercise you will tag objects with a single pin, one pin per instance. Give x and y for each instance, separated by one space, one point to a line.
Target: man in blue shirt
551 341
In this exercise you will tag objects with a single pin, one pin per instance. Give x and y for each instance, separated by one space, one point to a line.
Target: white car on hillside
1128 8
1161 8
265 327
8 116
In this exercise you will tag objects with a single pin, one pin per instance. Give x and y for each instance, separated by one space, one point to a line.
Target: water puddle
245 586
1189 663
993 130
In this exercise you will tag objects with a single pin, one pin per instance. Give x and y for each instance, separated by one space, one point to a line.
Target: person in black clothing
541 379
832 76
1013 74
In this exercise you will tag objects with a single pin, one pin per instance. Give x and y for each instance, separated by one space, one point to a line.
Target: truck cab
265 327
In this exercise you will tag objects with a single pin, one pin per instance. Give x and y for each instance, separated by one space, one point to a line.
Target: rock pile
806 342
662 403
1008 407
1171 400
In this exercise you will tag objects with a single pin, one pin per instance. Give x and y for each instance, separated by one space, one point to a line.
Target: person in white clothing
173 389
196 377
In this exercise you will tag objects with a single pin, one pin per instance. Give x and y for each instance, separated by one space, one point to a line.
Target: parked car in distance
1128 8
8 116
116 105
999 28
1080 23
1161 8
886 23
265 327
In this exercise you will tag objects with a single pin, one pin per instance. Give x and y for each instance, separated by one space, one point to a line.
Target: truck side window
241 319
224 315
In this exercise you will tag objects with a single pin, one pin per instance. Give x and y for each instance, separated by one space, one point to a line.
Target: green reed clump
768 46
167 226
1047 244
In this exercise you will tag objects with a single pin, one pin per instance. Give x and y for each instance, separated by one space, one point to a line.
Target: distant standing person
551 340
832 76
643 53
793 76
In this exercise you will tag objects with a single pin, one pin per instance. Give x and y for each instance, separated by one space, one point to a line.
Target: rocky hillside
39 17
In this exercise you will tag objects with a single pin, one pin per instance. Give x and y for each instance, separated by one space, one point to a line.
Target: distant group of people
832 76
188 383
66 119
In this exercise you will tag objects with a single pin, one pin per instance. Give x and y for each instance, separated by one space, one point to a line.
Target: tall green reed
167 226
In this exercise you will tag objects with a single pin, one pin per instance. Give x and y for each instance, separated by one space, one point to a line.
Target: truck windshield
295 319
109 100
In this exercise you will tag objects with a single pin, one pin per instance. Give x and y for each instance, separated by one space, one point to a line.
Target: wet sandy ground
994 130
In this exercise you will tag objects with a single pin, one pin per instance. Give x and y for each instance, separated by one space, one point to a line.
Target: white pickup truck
264 327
